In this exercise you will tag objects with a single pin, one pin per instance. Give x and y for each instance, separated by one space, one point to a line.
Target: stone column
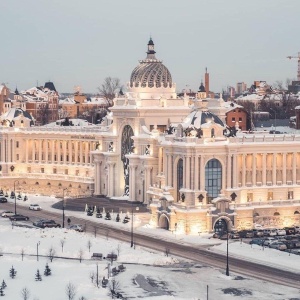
283 168
46 150
26 150
97 177
202 173
169 182
228 169
81 153
40 150
64 151
76 151
159 161
264 169
52 151
184 171
274 169
294 167
196 175
253 169
188 173
235 171
33 151
244 167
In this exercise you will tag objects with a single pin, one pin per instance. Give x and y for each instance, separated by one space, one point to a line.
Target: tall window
179 177
213 179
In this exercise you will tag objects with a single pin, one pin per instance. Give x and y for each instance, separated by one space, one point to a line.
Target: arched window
212 132
276 213
296 212
213 179
179 177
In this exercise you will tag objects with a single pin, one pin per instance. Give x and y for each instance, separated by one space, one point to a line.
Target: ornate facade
176 157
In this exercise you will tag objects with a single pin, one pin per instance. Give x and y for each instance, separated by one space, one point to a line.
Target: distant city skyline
79 44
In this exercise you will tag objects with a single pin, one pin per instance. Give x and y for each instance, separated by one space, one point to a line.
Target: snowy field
148 274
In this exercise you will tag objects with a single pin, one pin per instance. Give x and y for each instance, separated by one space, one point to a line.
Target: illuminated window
213 179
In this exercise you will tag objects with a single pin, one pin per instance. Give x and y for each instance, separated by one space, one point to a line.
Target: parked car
258 232
249 234
34 207
46 224
278 245
289 230
234 235
281 232
273 232
297 229
267 232
268 241
39 221
256 242
18 217
7 214
76 227
98 215
3 200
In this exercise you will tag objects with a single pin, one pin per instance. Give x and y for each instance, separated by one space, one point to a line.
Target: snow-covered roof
14 113
75 122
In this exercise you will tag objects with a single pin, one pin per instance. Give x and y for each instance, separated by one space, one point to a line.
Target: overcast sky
79 43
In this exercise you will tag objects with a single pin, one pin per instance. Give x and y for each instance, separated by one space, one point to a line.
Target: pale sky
79 43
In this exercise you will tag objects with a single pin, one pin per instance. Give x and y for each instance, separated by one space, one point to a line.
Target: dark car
18 217
3 200
256 242
46 224
290 230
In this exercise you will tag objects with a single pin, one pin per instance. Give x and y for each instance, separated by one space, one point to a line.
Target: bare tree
70 291
278 84
51 253
44 114
108 89
25 293
80 255
89 245
92 276
62 242
22 253
167 251
95 230
114 288
119 249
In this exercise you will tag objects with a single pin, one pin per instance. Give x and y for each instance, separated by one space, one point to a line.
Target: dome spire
151 52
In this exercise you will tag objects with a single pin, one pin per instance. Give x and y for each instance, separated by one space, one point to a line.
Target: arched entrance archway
163 222
126 148
222 225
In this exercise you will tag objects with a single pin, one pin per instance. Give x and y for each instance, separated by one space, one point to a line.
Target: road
198 254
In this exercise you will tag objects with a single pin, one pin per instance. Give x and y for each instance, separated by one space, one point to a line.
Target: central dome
151 72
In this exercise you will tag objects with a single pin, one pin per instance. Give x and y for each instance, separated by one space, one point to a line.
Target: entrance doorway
221 226
163 222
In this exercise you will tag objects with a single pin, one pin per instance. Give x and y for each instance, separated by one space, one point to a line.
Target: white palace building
173 155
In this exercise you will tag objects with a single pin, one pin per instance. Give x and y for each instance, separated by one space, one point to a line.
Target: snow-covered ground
148 274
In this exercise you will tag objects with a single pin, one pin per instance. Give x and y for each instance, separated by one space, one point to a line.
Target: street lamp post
227 263
37 250
132 225
63 208
16 181
275 117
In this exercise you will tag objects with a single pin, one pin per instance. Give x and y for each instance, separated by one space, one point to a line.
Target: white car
281 232
34 207
76 227
7 214
273 232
